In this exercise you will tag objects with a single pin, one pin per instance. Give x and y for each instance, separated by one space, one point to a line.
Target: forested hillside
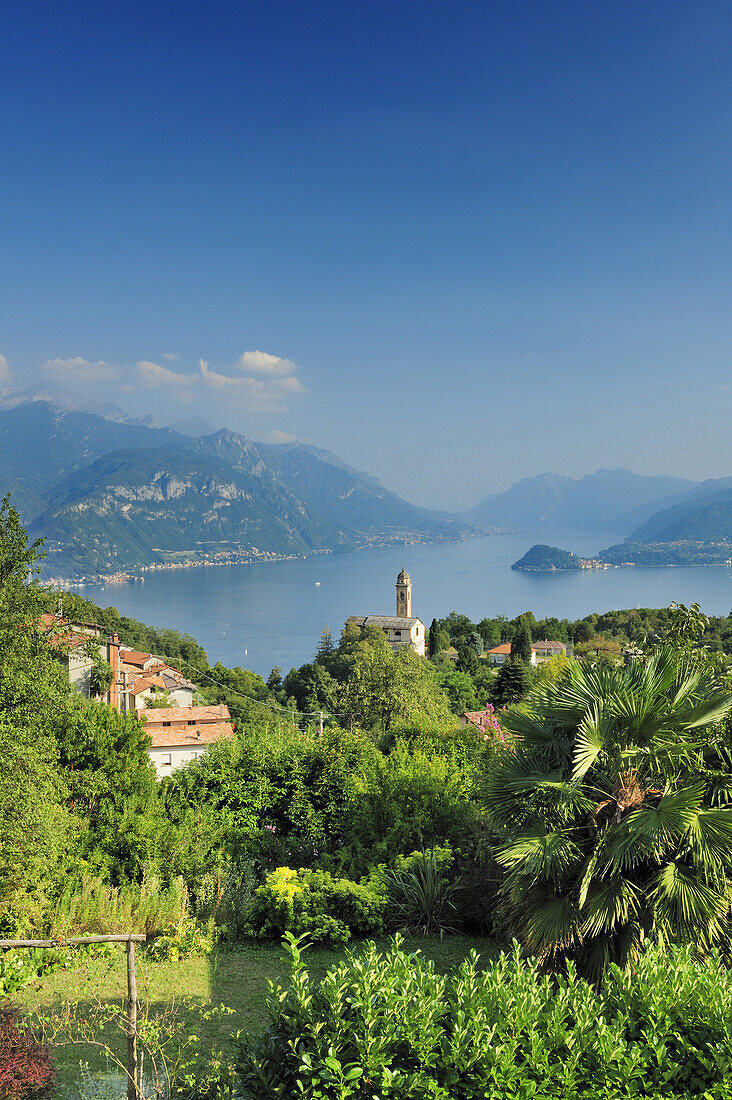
110 496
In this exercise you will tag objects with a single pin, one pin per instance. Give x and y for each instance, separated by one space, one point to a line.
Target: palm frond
649 832
710 838
610 905
694 910
539 854
592 733
550 923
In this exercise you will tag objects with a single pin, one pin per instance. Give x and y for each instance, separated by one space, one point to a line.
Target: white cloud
4 371
79 370
154 375
256 394
170 355
260 362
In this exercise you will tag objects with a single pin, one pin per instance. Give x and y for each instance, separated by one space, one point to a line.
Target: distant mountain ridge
608 500
110 496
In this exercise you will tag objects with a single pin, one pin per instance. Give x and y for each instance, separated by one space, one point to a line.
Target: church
402 629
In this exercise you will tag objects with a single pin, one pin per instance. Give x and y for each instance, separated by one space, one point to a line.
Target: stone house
182 734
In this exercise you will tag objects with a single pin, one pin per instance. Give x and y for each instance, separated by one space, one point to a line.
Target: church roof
390 622
403 577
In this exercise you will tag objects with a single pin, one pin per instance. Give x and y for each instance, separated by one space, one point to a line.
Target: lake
272 613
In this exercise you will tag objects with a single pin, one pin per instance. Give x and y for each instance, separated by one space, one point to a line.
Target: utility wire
251 698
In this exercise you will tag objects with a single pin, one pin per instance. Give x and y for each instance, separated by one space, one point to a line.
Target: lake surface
259 616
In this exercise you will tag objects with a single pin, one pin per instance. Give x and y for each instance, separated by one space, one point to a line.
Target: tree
617 803
33 821
460 690
521 644
325 645
490 632
512 682
476 642
313 688
274 680
467 660
388 690
111 785
434 638
583 631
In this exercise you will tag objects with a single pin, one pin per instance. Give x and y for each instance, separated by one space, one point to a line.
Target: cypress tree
434 639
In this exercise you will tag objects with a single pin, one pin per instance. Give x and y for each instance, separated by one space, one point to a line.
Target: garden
391 906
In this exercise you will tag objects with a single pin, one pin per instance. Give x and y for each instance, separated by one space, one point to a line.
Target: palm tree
616 806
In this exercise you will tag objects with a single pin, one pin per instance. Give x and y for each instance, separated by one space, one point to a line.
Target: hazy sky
457 243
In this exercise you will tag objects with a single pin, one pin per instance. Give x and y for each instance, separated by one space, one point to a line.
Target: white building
540 652
182 734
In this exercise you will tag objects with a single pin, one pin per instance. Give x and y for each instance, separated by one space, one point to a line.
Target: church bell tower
404 595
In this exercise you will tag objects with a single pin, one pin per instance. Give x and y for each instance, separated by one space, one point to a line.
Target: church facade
402 629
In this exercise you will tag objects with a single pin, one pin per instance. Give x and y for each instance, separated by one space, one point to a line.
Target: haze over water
259 616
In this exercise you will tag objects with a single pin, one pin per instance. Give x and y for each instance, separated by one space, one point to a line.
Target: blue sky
457 243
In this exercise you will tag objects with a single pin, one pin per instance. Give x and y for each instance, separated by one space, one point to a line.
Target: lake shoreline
265 558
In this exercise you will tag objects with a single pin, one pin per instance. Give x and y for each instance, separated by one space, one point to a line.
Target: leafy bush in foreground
387 1026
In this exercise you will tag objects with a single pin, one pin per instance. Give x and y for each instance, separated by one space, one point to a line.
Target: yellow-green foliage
327 908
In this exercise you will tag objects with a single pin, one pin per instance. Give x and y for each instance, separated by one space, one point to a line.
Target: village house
182 734
402 629
143 676
81 647
540 652
499 654
544 651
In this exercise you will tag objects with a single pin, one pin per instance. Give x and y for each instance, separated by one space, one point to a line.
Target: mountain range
110 495
612 501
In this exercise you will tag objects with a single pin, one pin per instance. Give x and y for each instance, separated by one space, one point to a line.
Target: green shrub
421 893
388 1025
19 967
328 909
184 941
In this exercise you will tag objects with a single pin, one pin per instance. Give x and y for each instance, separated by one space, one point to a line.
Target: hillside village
182 727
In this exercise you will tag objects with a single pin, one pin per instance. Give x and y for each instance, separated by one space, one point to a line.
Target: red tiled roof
186 714
142 683
133 657
505 648
546 644
60 633
211 724
480 718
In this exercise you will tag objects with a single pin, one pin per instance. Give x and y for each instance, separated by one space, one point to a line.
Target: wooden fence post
133 1081
128 938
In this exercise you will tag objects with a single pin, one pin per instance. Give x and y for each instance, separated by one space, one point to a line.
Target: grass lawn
237 979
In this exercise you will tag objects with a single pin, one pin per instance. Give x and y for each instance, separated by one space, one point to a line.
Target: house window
166 723
191 722
397 633
166 758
